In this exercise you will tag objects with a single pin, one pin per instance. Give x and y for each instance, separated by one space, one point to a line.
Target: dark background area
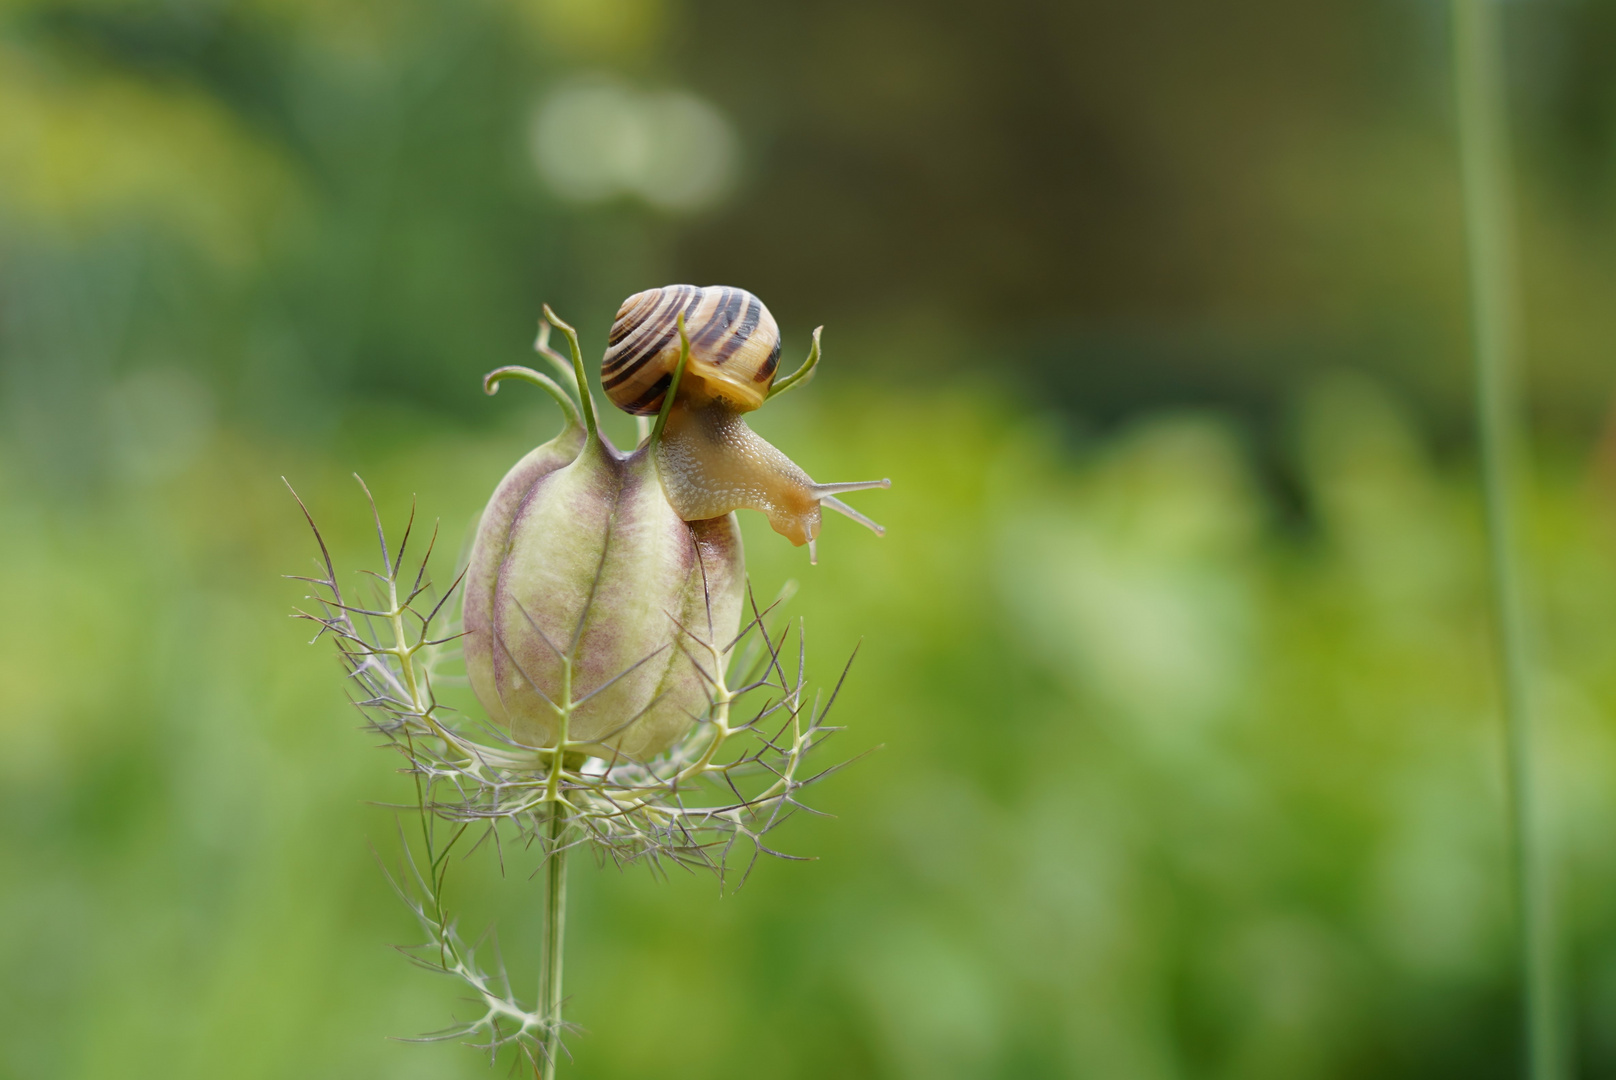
1106 209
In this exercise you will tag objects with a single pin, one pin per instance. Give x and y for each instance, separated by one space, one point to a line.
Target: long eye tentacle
855 485
833 503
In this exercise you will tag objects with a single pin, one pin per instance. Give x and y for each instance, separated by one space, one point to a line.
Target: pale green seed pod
490 548
592 607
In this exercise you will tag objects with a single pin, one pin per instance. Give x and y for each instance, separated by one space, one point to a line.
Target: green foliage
1168 787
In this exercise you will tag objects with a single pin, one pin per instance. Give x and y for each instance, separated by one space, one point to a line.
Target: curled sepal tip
802 374
492 380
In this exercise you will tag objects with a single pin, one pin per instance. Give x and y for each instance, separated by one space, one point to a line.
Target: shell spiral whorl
734 347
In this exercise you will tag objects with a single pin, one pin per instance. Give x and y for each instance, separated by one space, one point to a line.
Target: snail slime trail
708 460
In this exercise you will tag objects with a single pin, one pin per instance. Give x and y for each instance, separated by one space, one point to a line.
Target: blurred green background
1177 647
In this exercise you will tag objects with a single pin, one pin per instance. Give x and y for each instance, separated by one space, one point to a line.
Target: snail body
709 460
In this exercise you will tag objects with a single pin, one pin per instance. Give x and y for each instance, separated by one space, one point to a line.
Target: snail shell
734 348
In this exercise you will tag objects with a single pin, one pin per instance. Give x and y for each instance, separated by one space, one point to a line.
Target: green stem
586 397
555 934
492 380
563 366
672 391
802 374
1479 96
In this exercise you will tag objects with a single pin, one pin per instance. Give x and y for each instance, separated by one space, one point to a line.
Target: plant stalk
1483 152
555 934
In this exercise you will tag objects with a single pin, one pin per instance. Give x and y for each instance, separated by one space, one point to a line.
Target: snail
709 460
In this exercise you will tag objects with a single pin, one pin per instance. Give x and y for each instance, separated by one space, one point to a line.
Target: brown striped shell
734 348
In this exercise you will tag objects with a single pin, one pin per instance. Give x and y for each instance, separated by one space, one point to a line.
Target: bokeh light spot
598 139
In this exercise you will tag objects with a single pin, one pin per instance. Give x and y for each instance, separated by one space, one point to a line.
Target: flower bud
590 604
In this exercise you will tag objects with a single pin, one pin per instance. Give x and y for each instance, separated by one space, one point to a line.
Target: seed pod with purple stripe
595 615
709 461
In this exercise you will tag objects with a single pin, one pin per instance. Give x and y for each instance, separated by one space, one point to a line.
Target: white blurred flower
598 139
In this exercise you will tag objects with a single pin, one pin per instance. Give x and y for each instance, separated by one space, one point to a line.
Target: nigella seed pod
489 550
600 604
594 613
598 584
604 589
